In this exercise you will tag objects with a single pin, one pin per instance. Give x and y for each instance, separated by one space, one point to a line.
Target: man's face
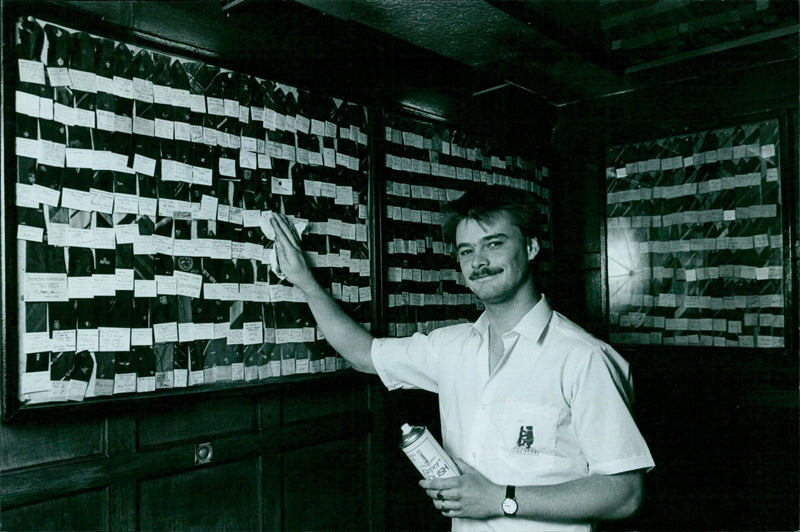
494 257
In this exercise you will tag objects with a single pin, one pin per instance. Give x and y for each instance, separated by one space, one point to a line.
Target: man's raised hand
289 255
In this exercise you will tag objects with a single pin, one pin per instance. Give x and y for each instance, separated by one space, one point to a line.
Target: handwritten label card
46 287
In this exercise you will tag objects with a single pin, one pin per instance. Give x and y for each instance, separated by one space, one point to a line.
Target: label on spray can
426 454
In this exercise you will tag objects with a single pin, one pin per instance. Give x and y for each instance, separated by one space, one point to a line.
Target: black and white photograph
400 265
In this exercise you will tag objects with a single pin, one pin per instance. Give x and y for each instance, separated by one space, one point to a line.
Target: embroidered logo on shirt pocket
528 435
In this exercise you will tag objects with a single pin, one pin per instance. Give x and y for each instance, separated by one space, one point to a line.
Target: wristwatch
509 504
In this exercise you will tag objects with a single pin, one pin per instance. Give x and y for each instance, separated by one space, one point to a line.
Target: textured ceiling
572 50
474 32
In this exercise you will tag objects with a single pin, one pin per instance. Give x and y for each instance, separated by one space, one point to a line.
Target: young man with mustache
535 411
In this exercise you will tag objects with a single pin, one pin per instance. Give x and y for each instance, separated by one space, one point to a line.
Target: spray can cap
406 428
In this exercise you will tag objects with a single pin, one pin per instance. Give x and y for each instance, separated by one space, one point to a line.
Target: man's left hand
470 495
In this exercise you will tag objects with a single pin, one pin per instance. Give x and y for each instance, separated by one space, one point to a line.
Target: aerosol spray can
426 454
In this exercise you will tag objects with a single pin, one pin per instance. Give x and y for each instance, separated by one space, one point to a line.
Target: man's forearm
597 497
594 498
345 335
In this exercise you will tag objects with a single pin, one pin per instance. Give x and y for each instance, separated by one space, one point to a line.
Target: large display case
140 194
695 239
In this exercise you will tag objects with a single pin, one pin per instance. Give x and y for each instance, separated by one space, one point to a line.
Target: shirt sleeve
608 435
408 362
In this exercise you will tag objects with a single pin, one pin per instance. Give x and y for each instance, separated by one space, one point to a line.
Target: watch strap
511 492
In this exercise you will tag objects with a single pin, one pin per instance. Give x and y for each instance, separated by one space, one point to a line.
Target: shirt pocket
528 436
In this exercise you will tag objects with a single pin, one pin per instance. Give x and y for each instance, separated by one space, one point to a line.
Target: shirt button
483 406
474 455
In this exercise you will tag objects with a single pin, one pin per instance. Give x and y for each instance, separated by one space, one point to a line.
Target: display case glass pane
695 239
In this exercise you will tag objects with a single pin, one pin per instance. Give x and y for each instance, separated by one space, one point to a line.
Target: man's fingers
288 230
280 227
284 232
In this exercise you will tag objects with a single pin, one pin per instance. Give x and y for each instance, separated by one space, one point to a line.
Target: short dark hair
483 204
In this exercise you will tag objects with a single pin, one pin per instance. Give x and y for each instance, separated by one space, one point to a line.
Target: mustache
484 272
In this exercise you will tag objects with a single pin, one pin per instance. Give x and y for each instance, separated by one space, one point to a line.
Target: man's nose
478 259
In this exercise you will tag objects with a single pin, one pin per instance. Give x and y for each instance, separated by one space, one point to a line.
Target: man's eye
464 252
495 244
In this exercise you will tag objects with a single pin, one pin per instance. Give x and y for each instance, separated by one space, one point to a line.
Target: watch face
510 506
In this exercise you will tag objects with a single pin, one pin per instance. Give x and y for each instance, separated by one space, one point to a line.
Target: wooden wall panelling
83 511
315 403
122 506
220 497
34 444
325 486
161 447
191 420
122 500
377 457
271 470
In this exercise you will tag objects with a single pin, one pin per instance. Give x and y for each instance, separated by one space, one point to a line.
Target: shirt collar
532 324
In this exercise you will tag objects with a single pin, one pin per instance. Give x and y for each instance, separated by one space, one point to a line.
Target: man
535 411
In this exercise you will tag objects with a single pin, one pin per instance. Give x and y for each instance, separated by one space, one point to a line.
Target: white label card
142 336
30 233
189 284
46 287
124 383
37 342
165 332
115 339
88 340
31 71
64 340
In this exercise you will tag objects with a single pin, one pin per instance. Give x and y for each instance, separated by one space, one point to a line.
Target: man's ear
533 248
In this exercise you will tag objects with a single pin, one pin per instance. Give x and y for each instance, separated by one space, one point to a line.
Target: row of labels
404 164
721 243
742 151
108 339
692 189
397 274
697 340
38 386
59 287
400 329
713 244
146 92
60 155
710 273
416 299
439 145
209 207
62 234
441 194
428 217
715 216
640 319
710 303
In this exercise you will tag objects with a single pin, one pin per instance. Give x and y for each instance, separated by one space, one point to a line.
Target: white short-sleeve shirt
556 408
